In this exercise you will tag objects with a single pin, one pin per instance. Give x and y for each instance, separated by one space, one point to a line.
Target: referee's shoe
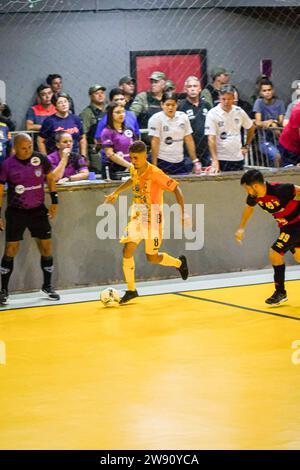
3 297
50 293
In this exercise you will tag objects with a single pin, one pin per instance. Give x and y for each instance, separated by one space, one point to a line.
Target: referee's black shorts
36 220
288 240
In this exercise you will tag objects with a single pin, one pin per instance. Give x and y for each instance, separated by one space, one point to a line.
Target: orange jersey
148 190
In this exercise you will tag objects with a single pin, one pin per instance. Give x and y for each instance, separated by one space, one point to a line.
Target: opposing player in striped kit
282 201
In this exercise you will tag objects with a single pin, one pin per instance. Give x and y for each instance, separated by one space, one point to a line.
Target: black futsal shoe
277 298
129 295
184 270
3 297
50 293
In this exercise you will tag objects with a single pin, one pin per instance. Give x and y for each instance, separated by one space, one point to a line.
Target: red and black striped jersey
279 201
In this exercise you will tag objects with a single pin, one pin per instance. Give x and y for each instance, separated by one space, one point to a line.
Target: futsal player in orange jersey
146 222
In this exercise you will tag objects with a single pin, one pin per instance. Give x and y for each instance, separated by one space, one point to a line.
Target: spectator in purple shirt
116 139
24 173
65 164
63 120
116 95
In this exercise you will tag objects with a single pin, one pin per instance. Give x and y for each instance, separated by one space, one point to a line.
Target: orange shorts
137 231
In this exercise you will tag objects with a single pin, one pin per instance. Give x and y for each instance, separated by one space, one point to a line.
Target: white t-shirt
171 133
227 128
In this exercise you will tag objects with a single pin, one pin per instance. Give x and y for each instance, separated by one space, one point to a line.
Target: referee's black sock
47 267
7 266
279 275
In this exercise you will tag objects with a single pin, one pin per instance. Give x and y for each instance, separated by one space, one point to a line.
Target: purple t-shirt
130 122
119 141
25 180
75 163
71 124
269 111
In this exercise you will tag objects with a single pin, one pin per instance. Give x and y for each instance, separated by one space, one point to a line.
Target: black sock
7 266
279 272
47 267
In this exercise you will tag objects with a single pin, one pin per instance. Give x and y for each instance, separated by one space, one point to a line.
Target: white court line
166 286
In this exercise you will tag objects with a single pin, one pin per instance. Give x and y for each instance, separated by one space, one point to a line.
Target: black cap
126 79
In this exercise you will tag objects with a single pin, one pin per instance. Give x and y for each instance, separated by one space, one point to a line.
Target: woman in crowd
67 165
62 120
116 139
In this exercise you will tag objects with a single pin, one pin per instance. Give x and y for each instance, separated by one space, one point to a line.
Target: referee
24 173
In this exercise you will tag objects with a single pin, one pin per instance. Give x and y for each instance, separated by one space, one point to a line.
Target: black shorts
288 240
36 220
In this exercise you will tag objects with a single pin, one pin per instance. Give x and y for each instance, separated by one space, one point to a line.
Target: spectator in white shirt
169 130
223 128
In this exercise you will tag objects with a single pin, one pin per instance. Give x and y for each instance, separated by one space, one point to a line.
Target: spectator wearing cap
210 93
90 116
55 82
147 103
127 85
223 127
37 114
170 85
196 109
62 120
116 95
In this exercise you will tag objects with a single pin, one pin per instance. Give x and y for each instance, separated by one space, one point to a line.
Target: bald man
25 172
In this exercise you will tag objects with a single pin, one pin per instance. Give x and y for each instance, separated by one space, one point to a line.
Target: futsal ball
110 297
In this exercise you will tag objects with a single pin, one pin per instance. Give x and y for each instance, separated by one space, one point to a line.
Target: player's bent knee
153 259
45 247
46 252
11 249
128 251
275 257
297 255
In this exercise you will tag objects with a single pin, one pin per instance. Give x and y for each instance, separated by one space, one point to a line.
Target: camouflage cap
157 76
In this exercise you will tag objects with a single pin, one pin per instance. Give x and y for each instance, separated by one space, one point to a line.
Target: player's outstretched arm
112 197
180 201
247 214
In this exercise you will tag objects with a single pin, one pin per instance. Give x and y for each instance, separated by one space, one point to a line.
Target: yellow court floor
209 369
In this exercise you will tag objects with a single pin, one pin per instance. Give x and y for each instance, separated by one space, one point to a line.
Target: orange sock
129 271
169 261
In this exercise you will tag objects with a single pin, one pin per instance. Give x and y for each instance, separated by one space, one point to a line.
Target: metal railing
263 151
